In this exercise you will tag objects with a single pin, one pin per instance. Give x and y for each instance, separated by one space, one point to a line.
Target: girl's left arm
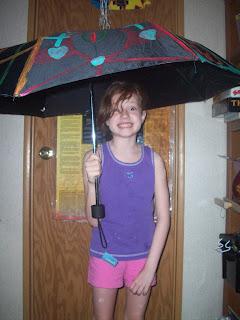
142 283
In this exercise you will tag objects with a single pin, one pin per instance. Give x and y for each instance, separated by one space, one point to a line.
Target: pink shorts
103 275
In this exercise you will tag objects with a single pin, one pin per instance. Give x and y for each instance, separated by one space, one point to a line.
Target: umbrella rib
153 59
31 58
11 59
14 56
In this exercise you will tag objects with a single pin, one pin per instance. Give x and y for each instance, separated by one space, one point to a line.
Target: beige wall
205 178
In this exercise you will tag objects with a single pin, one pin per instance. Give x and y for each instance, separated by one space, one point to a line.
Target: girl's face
127 117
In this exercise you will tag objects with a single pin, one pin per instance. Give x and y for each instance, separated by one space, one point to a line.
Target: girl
133 188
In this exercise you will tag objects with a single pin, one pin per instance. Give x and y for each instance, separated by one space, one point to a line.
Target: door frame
178 204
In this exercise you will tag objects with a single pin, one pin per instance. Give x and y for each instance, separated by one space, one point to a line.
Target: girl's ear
144 114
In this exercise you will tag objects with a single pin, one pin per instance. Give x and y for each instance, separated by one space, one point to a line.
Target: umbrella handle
98 210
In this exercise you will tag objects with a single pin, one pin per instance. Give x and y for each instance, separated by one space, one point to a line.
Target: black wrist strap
101 235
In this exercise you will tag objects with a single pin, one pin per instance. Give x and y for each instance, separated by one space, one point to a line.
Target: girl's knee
137 314
136 306
104 303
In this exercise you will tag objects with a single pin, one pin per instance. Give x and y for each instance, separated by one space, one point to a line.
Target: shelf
226 203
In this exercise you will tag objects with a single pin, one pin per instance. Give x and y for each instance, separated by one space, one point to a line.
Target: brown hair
126 90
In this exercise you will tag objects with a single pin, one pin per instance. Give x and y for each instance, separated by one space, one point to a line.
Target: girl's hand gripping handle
93 169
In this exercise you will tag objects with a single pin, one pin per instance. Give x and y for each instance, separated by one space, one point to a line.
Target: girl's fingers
93 156
92 166
140 285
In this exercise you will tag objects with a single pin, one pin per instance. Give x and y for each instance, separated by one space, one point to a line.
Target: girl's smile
125 125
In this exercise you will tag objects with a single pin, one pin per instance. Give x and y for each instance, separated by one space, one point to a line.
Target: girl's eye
133 108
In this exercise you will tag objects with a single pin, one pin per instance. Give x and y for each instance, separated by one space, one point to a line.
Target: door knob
46 153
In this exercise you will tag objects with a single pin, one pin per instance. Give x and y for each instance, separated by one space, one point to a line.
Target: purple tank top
126 190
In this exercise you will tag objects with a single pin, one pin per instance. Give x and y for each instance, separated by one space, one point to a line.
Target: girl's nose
124 113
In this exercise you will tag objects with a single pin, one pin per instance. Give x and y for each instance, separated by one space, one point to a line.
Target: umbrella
50 76
58 68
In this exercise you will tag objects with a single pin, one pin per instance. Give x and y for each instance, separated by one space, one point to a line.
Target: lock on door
46 153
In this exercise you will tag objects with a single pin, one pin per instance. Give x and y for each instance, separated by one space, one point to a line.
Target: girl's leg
104 303
135 305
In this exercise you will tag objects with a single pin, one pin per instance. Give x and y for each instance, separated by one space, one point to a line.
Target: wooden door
56 252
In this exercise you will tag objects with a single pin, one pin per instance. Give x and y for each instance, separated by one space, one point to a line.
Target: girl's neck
125 150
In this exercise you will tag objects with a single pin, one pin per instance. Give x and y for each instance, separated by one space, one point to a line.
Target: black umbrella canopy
51 76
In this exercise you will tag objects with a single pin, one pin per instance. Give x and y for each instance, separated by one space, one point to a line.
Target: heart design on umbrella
98 61
57 53
149 34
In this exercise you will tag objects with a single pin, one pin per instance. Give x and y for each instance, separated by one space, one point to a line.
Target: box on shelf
227 102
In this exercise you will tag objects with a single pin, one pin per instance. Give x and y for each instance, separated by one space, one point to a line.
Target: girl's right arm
91 170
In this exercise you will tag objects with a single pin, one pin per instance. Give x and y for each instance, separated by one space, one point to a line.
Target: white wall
13 30
205 178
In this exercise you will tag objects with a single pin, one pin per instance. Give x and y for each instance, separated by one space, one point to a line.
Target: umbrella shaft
94 142
92 119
